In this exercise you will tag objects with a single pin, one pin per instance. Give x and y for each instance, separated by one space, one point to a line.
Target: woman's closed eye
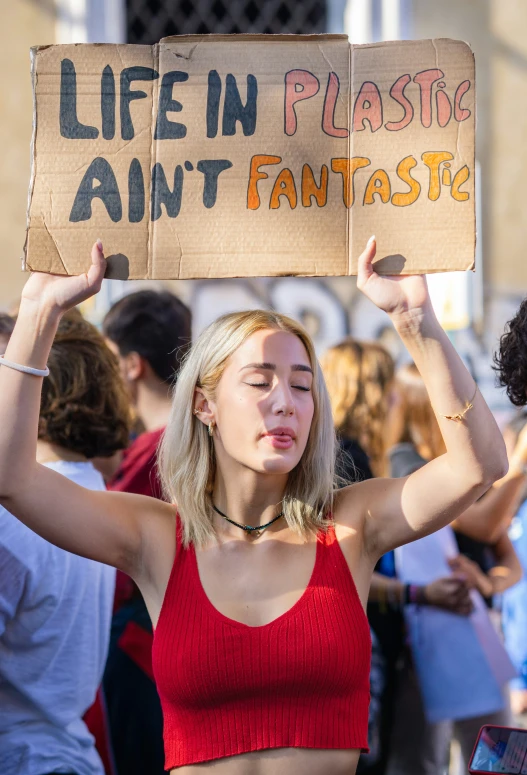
266 384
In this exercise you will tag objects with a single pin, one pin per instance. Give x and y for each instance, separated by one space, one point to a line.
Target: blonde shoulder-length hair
186 456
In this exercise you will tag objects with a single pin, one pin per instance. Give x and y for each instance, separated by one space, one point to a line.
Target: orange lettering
379 183
347 168
433 161
460 177
403 171
256 174
310 188
284 186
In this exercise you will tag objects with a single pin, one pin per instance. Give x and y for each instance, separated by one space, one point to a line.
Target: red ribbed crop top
301 681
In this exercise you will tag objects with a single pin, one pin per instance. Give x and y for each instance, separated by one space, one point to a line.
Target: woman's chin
279 463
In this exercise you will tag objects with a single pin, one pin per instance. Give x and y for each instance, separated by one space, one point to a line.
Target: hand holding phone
499 749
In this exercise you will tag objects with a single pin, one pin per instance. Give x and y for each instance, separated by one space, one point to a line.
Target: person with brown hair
256 571
360 380
412 420
416 438
359 376
487 562
55 607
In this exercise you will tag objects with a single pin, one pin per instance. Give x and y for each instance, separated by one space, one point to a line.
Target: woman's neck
51 453
250 499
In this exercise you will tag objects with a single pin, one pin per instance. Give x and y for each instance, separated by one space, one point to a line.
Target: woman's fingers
97 269
365 263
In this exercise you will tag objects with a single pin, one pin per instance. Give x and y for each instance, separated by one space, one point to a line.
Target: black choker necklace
255 531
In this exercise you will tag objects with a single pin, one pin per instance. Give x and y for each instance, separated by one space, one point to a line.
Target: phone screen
501 750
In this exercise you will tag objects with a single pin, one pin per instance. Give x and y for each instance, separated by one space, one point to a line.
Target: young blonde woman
257 588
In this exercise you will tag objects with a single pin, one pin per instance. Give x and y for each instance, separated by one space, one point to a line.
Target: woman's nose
284 403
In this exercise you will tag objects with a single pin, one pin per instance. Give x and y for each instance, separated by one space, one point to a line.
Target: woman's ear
202 407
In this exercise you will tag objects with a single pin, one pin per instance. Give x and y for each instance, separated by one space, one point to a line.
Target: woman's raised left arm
398 511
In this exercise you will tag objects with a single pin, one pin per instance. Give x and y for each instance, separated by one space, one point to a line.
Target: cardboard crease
351 54
32 174
153 156
58 255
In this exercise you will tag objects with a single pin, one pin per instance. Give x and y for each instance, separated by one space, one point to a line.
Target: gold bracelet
461 415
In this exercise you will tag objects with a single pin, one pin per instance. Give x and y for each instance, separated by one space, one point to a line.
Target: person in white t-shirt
55 607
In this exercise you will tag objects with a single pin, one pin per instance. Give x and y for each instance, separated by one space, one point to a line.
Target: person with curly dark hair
55 607
511 359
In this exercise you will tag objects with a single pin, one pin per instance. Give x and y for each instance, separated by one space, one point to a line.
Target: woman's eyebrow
263 366
272 367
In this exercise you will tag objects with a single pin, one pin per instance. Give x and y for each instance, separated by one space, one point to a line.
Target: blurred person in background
487 562
514 602
55 607
359 377
360 380
417 439
149 332
6 327
511 367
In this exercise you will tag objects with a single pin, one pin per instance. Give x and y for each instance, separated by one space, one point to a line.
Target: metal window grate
150 20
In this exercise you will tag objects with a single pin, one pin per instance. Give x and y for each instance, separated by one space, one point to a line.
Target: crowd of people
421 503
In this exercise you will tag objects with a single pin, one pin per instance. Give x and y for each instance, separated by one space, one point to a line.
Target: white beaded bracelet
24 369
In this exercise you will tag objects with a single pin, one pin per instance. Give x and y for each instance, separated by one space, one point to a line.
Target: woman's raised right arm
99 525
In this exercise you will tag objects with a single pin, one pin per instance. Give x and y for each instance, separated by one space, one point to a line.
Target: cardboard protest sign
225 156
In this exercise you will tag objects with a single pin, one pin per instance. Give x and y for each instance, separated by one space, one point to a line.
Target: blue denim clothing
514 613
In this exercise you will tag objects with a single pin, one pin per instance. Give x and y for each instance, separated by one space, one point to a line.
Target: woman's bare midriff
280 761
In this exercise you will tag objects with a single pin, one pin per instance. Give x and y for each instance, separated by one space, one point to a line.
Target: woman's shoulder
350 502
158 539
162 519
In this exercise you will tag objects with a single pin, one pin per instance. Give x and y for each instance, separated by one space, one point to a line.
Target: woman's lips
279 441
